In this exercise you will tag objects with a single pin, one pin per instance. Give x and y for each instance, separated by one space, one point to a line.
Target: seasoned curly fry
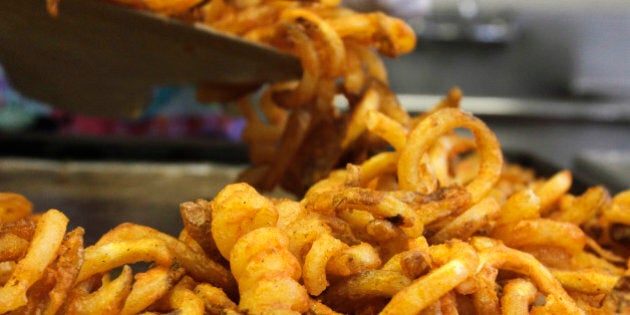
492 252
13 207
99 259
215 300
41 252
412 171
322 250
108 299
267 273
339 52
149 287
459 261
198 266
254 211
519 294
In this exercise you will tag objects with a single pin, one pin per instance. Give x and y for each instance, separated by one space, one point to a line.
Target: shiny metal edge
599 111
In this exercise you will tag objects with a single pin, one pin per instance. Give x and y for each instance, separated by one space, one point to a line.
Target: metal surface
593 111
99 58
609 167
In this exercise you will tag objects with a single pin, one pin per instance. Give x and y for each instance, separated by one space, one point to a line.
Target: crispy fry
551 190
518 295
485 297
582 208
48 294
318 308
619 211
102 258
12 247
267 273
6 270
108 299
543 232
369 102
253 211
65 270
315 262
41 252
387 128
414 176
459 261
214 299
355 259
13 207
415 298
523 205
588 281
198 266
183 300
23 228
149 287
345 295
197 218
466 224
500 256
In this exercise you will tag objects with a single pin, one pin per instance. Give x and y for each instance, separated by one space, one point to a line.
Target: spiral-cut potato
47 239
267 274
338 49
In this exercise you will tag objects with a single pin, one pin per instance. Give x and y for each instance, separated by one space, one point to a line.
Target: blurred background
551 78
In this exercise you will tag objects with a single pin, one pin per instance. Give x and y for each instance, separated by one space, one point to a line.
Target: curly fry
414 177
267 273
41 252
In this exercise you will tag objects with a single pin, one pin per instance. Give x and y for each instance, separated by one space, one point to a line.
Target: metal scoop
101 59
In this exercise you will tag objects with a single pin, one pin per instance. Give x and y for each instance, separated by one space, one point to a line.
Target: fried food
149 287
396 214
42 251
13 207
267 274
108 299
340 52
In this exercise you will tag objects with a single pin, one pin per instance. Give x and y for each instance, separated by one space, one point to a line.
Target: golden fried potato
41 252
215 300
149 287
102 258
267 273
12 247
108 299
13 207
198 266
238 209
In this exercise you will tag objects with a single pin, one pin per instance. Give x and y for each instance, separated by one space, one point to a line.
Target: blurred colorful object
174 112
17 112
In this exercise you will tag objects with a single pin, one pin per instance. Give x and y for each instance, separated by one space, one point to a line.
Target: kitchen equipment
103 59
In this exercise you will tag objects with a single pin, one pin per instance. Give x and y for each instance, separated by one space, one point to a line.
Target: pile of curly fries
427 220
